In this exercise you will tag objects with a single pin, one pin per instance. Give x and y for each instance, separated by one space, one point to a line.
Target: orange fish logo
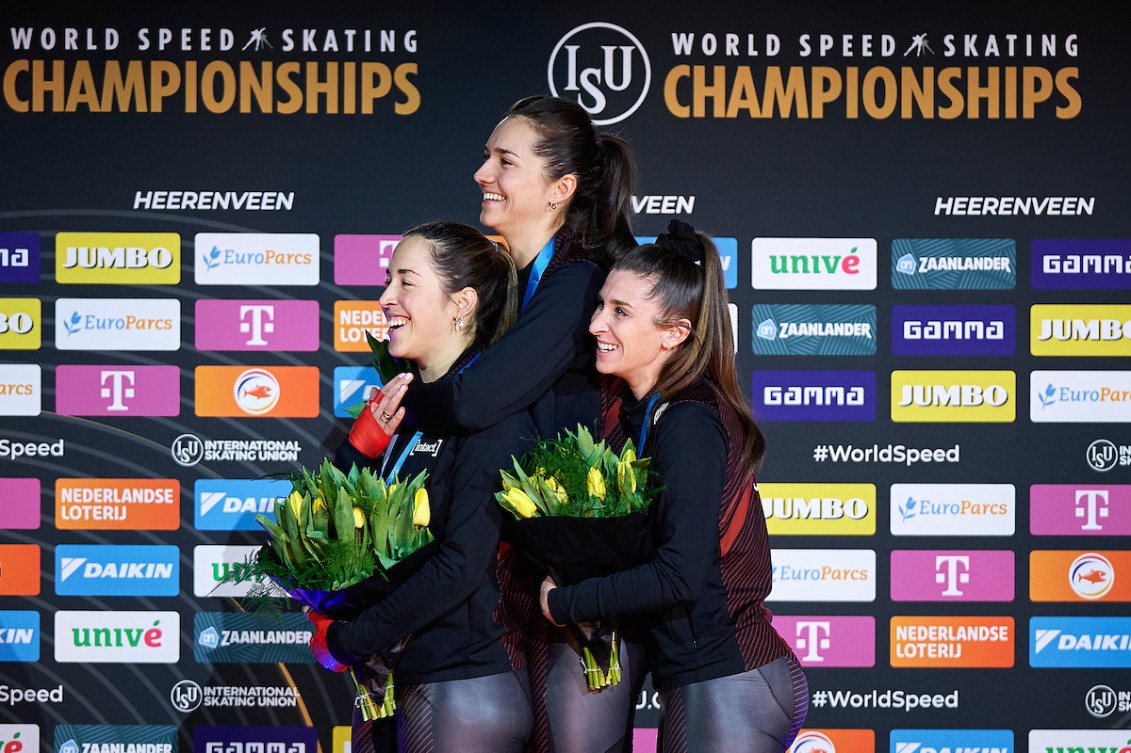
257 391
262 392
1091 576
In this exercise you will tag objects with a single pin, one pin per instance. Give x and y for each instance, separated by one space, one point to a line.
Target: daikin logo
952 741
1080 642
117 570
602 67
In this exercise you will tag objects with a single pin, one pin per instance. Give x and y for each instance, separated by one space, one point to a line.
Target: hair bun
682 239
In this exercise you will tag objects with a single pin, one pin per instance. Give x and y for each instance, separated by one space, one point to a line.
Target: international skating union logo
257 391
1091 576
602 67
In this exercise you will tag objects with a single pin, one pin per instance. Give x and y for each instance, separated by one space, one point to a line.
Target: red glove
318 645
366 434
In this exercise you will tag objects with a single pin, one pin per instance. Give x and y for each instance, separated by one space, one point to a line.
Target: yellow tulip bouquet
339 544
581 512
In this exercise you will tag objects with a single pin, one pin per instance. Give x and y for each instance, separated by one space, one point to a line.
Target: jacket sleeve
467 553
514 372
688 449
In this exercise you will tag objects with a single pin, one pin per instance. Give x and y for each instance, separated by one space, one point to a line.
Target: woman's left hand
548 585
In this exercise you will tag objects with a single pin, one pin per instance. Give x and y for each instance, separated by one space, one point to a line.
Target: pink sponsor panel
257 325
117 390
362 259
19 503
966 575
830 640
1080 509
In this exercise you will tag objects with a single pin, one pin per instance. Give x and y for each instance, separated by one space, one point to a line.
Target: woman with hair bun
727 681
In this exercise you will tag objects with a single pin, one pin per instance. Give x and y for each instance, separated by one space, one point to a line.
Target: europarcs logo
604 68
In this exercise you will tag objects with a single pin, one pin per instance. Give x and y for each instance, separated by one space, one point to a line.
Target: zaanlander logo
604 68
953 264
805 330
223 637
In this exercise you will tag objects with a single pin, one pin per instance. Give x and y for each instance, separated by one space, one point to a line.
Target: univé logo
813 263
112 637
602 67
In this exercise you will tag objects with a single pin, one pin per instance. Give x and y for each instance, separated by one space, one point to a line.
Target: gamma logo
602 67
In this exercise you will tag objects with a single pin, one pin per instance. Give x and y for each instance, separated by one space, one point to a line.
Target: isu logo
257 391
1091 576
603 68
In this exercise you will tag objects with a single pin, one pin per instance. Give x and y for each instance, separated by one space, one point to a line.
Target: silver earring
553 205
459 323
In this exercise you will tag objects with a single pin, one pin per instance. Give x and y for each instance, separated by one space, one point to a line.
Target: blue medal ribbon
540 263
644 428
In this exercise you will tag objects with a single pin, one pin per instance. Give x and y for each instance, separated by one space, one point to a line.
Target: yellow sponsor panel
118 258
341 742
953 396
1079 330
819 509
21 324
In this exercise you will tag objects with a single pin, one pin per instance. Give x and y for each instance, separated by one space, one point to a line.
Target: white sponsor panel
1080 397
93 637
953 509
21 389
213 565
118 324
1066 740
813 263
823 575
256 259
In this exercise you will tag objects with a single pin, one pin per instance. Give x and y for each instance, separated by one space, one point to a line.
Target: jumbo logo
602 67
19 637
256 259
1081 264
232 504
828 640
953 330
814 330
823 575
112 637
353 320
272 325
819 509
1092 642
969 575
1080 330
1080 510
1058 575
20 324
20 389
953 396
813 263
275 392
814 395
118 258
953 264
363 259
117 570
19 257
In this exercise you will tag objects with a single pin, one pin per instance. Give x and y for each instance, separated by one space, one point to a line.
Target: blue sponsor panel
352 387
230 638
954 264
232 504
19 635
728 255
951 740
19 257
814 395
117 570
1094 642
814 330
1081 264
953 330
247 739
153 738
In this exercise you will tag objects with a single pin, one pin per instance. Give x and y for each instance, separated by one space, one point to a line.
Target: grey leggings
760 711
481 715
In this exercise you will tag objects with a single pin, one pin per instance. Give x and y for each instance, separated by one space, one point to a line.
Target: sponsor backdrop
927 245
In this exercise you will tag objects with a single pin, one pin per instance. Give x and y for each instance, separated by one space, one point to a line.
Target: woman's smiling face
516 188
418 311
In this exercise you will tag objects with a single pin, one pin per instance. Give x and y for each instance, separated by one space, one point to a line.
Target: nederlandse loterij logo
1080 642
20 389
19 637
953 509
953 396
274 325
113 637
823 575
19 257
21 324
953 330
957 642
1081 264
118 258
1080 396
256 259
352 320
953 264
830 641
117 570
117 390
602 67
814 395
814 329
120 504
1080 510
1080 330
813 263
118 324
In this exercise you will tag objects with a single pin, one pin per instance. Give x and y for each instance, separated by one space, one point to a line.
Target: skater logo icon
1101 701
1091 576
